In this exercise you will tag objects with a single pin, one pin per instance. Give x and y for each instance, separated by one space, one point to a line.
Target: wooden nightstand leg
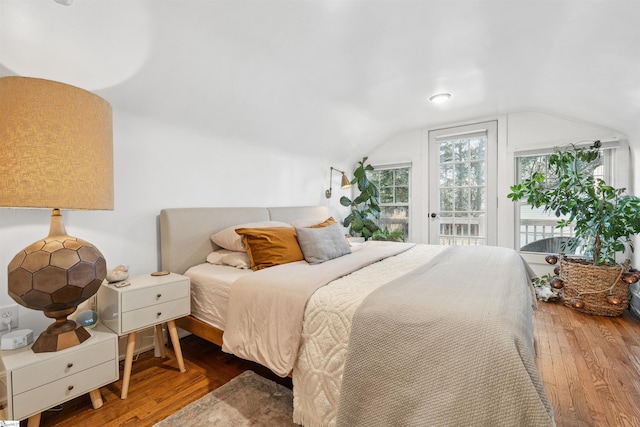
128 361
175 340
160 341
34 420
96 398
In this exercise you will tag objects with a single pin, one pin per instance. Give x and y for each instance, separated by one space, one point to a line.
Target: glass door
462 185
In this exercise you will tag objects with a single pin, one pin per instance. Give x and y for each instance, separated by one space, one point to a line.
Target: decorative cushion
271 246
322 244
229 239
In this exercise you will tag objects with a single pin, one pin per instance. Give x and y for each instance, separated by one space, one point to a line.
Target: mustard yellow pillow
271 246
327 222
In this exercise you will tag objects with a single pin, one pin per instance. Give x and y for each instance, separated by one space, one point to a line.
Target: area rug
246 400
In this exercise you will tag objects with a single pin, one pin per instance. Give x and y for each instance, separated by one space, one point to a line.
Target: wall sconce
345 181
56 143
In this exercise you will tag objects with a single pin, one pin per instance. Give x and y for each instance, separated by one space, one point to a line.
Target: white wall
158 166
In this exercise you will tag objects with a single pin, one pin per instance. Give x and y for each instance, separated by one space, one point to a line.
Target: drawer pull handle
159 314
70 388
159 296
69 365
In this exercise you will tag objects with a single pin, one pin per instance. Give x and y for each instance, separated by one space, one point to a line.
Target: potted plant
365 211
604 219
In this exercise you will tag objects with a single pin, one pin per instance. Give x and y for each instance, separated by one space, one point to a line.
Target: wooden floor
590 367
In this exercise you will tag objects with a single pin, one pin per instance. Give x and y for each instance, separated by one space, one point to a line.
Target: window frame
616 173
407 205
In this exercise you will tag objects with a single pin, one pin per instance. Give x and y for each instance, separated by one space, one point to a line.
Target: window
462 182
537 230
393 183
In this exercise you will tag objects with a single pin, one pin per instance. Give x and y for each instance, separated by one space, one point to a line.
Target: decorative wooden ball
615 300
551 259
556 283
576 303
630 278
556 270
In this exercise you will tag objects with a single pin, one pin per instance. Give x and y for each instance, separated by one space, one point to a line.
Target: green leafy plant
386 234
604 217
365 210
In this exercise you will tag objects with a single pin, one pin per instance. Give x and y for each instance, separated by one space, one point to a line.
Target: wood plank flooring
590 367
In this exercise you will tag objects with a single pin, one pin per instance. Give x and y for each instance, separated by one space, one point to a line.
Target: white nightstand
36 382
147 301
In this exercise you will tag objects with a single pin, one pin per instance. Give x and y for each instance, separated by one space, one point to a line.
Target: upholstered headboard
185 232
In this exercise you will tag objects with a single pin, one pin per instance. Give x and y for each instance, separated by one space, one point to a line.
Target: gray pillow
322 244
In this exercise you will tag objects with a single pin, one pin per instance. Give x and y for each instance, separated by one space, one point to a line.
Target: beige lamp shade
56 145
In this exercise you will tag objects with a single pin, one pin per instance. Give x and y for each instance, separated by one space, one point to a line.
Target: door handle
433 215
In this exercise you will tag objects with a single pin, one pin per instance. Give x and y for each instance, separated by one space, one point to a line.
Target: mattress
210 284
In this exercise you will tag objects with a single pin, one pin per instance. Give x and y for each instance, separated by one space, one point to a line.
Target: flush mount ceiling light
440 97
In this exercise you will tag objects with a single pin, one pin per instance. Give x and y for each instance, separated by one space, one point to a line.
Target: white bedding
317 374
210 284
318 370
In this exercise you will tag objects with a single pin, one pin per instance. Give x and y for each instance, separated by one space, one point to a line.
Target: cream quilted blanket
317 374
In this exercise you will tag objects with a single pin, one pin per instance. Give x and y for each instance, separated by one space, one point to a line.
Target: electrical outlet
11 312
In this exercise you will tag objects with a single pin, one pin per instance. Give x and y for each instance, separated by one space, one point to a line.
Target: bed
386 334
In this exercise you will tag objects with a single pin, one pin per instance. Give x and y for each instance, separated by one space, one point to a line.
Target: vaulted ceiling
339 75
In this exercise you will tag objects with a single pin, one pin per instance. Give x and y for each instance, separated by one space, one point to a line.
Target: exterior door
462 185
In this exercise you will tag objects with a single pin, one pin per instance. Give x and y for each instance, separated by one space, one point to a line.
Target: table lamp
56 144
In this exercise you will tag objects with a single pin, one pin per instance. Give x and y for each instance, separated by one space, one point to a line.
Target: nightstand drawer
58 367
159 294
62 390
159 313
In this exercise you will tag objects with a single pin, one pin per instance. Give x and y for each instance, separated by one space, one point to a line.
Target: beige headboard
185 232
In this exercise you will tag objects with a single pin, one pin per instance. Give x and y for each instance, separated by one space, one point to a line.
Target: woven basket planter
592 288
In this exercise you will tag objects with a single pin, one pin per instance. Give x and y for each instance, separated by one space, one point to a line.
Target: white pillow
215 257
227 257
237 260
229 239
